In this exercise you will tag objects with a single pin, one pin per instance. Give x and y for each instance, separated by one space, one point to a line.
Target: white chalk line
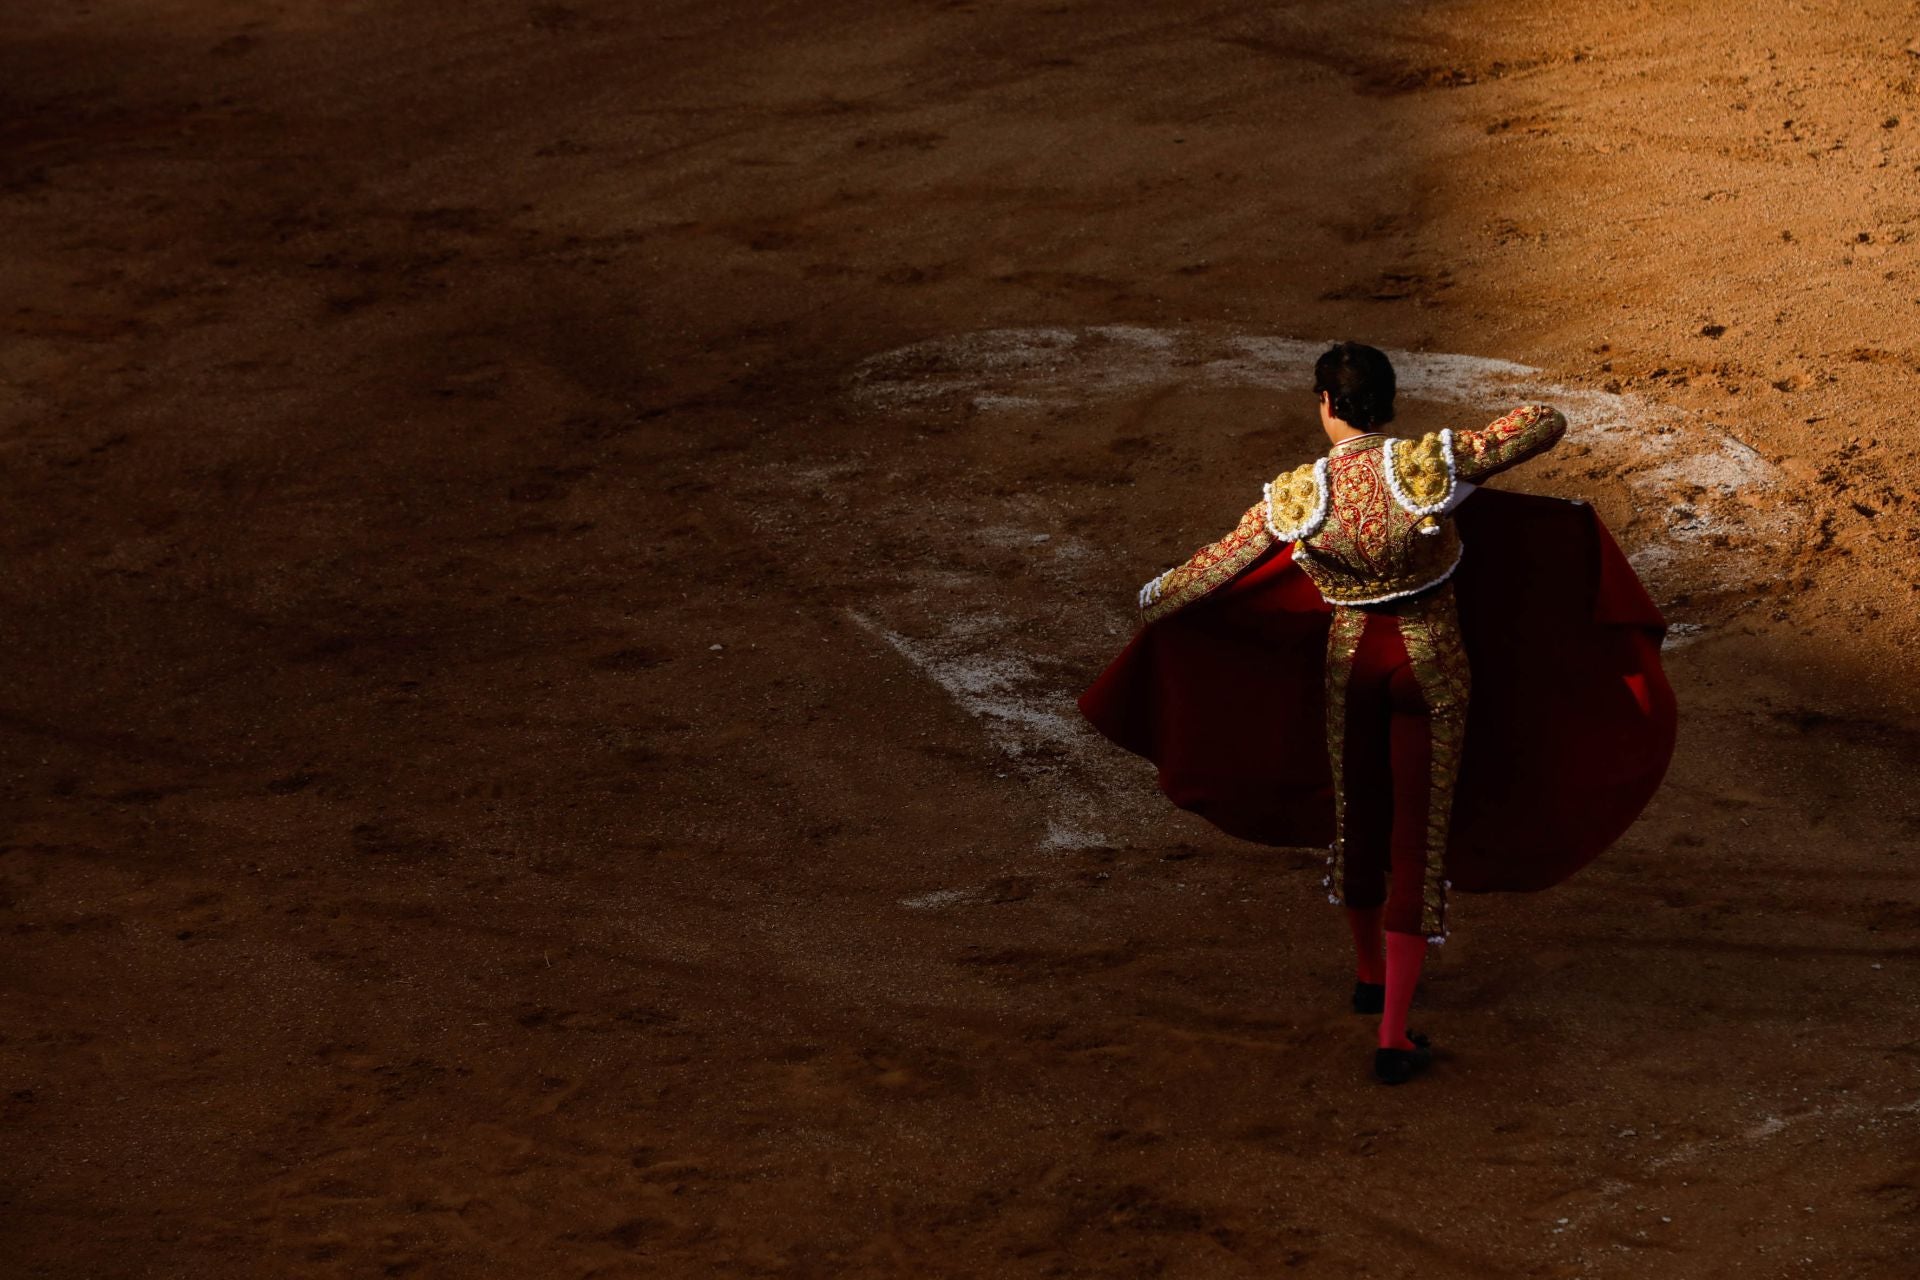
1026 718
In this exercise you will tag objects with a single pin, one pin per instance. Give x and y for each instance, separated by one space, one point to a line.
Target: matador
1371 527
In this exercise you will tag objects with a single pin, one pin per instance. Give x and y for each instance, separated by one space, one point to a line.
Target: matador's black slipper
1369 997
1397 1066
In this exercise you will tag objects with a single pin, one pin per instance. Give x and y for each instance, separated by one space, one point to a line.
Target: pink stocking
1406 953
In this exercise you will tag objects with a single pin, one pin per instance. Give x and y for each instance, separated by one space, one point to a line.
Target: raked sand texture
549 549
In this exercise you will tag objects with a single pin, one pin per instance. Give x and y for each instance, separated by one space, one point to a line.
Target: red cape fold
1570 726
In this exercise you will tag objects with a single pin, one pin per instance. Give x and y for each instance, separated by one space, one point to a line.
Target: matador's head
1354 383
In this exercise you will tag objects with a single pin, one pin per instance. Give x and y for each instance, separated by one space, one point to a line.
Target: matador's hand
1151 591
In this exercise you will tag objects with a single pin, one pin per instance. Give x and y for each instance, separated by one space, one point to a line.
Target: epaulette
1297 501
1420 476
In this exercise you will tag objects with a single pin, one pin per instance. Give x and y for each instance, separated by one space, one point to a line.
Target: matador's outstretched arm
1208 567
1426 475
1512 438
1292 506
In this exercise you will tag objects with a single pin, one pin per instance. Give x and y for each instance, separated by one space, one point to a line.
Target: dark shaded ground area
479 800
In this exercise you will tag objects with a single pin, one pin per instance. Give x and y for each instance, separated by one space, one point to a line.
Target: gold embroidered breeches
1397 687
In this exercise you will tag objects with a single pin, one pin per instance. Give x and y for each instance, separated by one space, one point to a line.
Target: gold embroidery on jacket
1356 540
1367 551
1361 514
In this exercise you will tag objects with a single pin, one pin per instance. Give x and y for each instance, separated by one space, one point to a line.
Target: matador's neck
1355 444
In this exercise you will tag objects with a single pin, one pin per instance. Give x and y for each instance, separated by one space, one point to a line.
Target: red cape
1570 726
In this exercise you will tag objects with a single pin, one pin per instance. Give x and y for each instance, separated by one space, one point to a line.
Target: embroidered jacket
1366 520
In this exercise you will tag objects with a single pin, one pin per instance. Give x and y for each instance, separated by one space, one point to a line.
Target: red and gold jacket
1366 520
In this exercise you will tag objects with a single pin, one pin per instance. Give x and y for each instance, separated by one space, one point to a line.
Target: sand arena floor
548 550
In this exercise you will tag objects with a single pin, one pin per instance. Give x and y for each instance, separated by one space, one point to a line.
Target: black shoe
1369 997
1397 1066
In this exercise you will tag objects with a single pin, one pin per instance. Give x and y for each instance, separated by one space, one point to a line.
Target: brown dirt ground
402 401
